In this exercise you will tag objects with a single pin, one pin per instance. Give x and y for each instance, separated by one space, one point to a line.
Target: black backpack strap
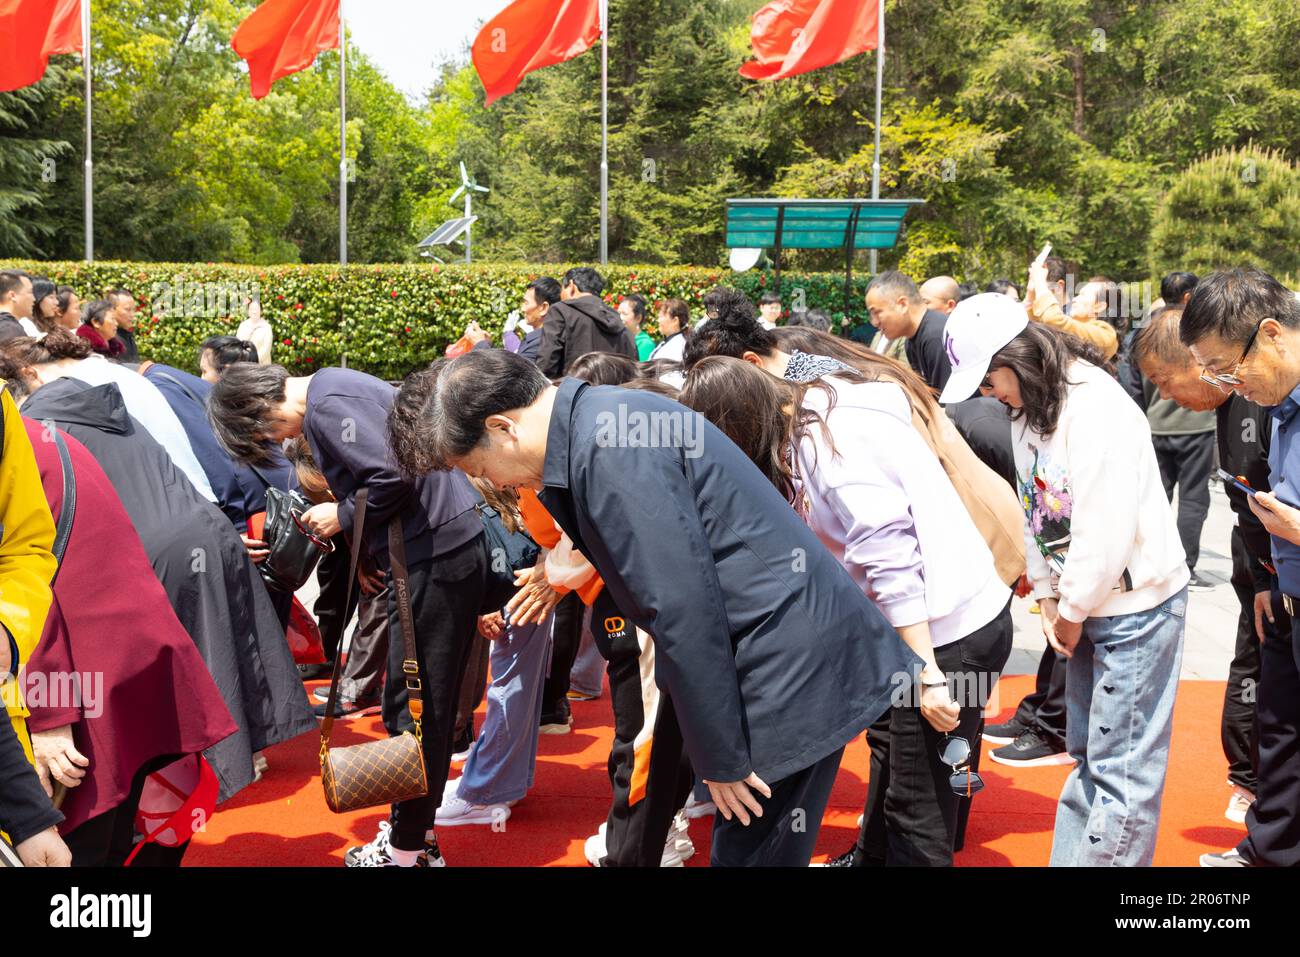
68 510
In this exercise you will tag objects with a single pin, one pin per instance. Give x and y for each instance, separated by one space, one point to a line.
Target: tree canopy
1018 121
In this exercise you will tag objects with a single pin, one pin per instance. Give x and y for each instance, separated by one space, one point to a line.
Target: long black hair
1041 357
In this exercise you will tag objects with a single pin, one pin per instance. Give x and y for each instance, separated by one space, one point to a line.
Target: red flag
31 31
531 34
796 36
283 36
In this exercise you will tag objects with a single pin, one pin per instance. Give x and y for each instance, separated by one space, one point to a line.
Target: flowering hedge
385 319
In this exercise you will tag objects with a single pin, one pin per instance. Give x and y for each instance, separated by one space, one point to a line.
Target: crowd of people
769 536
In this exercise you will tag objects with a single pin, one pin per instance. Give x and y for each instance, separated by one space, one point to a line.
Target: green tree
1233 207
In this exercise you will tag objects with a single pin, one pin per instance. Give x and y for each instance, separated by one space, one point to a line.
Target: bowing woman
198 557
843 452
155 700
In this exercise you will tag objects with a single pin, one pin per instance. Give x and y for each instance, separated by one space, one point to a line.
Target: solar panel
448 232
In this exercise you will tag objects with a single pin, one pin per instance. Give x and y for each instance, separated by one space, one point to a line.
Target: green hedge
386 319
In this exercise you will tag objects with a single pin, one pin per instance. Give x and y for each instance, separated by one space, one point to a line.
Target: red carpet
282 820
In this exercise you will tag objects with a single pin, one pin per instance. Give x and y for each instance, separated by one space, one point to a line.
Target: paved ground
1211 617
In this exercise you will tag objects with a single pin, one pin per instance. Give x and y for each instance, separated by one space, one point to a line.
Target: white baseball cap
975 331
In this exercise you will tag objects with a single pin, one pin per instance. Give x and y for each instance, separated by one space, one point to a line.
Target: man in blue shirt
1243 327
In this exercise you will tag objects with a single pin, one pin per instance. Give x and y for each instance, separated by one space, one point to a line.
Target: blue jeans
503 761
588 672
1119 689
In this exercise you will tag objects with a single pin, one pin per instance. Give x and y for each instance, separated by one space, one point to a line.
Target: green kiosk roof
816 223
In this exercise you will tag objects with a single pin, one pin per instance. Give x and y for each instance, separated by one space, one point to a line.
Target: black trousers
447 597
106 840
1044 709
913 817
786 834
1185 462
648 769
1273 821
567 637
1239 729
333 608
363 672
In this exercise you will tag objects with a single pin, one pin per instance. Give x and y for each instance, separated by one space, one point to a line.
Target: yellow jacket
1047 310
26 561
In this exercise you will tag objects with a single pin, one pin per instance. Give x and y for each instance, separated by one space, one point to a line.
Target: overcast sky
406 38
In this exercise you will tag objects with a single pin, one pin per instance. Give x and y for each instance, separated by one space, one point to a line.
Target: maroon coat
111 616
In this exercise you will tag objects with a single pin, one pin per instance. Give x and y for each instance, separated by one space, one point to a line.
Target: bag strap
68 508
358 530
402 592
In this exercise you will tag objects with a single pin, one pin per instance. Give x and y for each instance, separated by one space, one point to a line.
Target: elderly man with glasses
1243 328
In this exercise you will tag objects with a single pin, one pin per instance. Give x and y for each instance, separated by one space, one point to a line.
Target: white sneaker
696 808
259 766
680 837
455 811
377 852
594 849
1239 804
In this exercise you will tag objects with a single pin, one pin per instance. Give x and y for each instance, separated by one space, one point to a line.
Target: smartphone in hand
1240 482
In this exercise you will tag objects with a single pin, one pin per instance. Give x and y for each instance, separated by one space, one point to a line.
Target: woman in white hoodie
846 455
1105 564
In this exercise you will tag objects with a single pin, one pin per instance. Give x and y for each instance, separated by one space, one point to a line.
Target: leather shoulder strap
402 592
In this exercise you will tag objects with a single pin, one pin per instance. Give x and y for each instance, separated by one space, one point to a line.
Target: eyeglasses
1219 380
955 752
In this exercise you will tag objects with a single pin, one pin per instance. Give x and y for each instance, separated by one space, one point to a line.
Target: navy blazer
772 655
347 428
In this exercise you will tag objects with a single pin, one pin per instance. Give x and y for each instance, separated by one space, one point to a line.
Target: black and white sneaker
1197 583
844 860
1004 733
376 853
1031 750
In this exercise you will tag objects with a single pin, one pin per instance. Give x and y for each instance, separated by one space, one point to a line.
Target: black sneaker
1031 750
315 672
844 860
347 708
1004 733
1197 583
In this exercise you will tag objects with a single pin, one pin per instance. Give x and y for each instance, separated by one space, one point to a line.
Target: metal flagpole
343 138
880 81
604 132
89 166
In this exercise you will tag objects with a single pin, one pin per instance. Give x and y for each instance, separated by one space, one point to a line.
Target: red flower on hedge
394 293
288 342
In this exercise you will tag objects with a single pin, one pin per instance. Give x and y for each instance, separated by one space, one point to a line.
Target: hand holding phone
1239 481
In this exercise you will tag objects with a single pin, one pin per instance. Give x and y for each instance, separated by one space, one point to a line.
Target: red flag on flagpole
797 36
531 34
31 31
283 36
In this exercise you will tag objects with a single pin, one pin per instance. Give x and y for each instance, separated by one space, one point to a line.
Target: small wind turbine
469 187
